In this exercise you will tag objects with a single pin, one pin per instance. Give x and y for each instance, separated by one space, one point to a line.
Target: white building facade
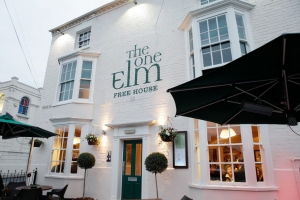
108 74
22 102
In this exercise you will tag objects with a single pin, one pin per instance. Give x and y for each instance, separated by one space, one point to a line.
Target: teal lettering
135 51
146 59
157 54
116 80
128 74
147 73
145 48
129 53
141 61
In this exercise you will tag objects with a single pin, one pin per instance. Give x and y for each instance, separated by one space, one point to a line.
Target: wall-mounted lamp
103 132
160 127
59 31
134 1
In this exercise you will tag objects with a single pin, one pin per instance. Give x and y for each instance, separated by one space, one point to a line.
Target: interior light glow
225 133
76 140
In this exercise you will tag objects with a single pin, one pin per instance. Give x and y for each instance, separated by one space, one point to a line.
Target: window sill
64 177
231 187
22 116
72 102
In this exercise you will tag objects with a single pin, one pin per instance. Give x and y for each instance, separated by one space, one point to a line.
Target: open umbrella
10 128
262 87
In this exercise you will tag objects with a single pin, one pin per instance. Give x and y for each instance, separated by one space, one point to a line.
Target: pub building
107 74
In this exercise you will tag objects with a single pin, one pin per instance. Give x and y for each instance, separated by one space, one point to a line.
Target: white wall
153 24
14 152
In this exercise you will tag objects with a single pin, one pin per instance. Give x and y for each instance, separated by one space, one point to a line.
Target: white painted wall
14 152
154 24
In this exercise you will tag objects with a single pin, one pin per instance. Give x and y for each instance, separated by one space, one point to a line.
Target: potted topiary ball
156 163
85 161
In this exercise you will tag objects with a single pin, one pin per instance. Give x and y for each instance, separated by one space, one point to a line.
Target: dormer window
23 106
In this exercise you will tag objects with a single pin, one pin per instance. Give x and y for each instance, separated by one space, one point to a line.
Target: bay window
229 155
76 77
64 158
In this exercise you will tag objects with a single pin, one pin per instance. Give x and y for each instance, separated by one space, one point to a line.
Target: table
44 187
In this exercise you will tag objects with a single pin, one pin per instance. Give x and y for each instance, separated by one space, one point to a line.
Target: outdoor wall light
134 1
59 31
225 134
160 127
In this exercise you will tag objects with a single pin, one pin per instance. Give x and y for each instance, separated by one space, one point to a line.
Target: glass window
242 33
203 2
243 48
84 39
257 153
67 80
23 106
241 27
197 148
75 150
59 149
216 54
225 153
212 32
192 61
85 81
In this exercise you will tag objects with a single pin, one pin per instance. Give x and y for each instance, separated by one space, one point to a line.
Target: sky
33 19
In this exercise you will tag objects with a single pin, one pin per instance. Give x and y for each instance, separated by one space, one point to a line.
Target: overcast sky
33 19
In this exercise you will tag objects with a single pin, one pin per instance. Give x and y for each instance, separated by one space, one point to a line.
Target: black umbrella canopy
10 128
262 87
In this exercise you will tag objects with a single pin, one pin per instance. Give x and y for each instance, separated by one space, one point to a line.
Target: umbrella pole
29 156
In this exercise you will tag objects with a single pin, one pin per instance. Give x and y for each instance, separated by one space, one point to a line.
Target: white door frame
141 133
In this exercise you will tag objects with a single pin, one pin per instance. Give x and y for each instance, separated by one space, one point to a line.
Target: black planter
166 138
92 143
37 144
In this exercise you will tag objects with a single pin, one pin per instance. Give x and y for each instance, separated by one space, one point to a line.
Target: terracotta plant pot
37 144
92 143
84 198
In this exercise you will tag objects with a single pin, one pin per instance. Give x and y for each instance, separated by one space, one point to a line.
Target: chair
59 192
10 192
186 198
30 194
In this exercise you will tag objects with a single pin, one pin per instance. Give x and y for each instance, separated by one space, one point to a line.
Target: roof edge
92 14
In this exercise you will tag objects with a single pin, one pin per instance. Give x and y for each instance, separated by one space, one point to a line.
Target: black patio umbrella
10 128
262 87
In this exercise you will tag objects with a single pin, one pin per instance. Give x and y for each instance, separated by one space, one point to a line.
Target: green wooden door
132 170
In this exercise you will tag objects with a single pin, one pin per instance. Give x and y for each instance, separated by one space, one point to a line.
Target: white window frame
249 163
23 106
79 56
230 8
71 123
88 29
232 31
